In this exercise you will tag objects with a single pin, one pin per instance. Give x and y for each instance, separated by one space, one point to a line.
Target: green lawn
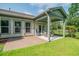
65 46
1 47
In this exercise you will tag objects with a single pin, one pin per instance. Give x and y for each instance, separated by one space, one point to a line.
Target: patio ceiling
56 14
53 19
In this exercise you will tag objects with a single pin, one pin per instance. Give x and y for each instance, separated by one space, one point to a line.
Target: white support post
23 28
33 28
48 25
64 23
11 26
48 28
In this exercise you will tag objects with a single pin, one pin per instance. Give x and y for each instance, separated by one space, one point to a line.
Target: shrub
71 30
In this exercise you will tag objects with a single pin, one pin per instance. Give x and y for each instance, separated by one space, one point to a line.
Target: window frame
20 27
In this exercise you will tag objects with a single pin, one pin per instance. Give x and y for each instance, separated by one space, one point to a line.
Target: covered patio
45 20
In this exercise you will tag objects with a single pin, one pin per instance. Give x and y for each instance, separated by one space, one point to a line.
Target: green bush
77 35
71 30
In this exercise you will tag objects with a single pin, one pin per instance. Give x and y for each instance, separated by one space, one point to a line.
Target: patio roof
52 13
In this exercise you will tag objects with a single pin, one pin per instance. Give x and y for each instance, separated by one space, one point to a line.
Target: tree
73 18
73 9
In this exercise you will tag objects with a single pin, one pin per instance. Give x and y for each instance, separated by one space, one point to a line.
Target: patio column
48 26
11 26
23 28
64 23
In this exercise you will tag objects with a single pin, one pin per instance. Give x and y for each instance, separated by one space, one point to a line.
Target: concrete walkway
51 38
16 43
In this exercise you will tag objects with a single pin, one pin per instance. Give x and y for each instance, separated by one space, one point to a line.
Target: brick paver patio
16 43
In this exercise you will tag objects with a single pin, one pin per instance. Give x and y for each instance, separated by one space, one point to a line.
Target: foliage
56 28
71 30
77 35
58 32
73 19
73 9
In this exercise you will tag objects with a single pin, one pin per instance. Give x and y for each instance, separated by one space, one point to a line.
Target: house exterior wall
11 27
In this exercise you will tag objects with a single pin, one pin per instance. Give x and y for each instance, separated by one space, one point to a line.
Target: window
4 26
17 26
27 27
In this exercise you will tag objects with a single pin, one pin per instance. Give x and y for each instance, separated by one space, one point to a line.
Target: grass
1 47
63 47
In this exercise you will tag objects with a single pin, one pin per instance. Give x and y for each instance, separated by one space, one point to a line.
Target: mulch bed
3 40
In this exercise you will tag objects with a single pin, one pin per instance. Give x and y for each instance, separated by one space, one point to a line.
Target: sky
32 8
